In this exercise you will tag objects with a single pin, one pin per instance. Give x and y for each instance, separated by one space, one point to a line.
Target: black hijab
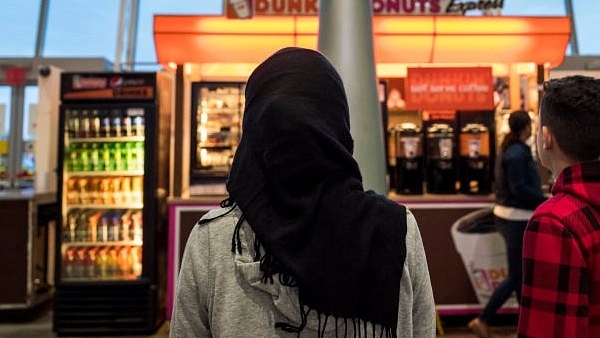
298 186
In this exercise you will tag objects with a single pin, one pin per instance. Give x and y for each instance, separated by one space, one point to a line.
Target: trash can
483 253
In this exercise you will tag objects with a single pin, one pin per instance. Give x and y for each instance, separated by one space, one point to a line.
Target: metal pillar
119 47
132 35
346 38
574 44
128 15
41 32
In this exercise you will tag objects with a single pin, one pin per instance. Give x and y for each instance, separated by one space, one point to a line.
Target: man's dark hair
570 106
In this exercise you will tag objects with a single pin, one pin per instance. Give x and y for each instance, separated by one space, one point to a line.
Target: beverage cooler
112 189
217 109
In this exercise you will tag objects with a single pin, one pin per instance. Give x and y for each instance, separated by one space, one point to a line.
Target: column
346 38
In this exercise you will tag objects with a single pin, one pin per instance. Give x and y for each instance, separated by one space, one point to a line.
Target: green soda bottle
73 163
95 157
105 157
84 156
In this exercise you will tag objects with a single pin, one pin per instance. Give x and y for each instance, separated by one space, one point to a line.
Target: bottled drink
137 189
126 189
95 123
126 224
102 263
105 191
95 157
130 162
96 190
67 263
84 156
85 124
138 126
124 262
93 221
84 191
81 229
72 193
90 263
137 226
117 192
127 126
105 156
119 164
136 260
103 228
114 227
79 263
69 231
139 156
105 124
111 262
73 162
72 117
115 123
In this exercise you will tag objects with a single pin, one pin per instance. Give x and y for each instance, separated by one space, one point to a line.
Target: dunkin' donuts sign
245 9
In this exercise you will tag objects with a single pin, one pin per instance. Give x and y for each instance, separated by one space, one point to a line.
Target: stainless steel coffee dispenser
474 163
409 159
441 161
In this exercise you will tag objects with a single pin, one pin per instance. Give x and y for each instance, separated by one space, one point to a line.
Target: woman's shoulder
413 234
516 150
215 219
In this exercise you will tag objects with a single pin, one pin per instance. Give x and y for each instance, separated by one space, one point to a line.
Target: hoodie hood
284 298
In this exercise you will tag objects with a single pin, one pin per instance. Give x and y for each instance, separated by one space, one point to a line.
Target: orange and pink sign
245 9
455 88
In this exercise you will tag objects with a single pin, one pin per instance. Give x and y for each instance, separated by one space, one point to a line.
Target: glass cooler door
102 192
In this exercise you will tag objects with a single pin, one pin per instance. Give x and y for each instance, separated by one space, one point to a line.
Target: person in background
298 248
518 193
561 248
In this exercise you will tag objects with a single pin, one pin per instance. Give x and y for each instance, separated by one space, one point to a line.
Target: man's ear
547 138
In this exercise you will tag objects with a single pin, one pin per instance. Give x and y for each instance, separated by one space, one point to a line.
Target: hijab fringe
269 267
360 326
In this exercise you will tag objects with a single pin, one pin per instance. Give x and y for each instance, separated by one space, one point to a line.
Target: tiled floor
39 325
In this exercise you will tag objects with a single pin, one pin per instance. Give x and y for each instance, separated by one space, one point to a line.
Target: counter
27 232
435 214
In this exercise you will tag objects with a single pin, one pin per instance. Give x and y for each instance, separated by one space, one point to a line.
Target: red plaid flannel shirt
561 259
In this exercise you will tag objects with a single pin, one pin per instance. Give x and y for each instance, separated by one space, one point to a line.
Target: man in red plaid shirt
561 247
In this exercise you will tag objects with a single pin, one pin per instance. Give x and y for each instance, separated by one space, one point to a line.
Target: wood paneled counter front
436 214
26 239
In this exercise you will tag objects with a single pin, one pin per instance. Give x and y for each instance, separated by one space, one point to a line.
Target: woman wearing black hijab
299 248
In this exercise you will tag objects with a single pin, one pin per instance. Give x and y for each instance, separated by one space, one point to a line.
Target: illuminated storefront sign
458 88
244 9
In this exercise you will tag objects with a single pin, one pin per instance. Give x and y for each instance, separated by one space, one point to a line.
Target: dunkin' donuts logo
239 9
486 280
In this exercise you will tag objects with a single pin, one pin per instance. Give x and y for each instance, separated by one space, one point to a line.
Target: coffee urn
441 160
474 163
409 159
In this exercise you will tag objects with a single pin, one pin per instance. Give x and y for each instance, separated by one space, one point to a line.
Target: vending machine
112 189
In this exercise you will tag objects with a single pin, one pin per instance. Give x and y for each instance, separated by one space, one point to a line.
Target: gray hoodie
220 294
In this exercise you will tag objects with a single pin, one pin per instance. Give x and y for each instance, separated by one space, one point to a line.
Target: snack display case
217 109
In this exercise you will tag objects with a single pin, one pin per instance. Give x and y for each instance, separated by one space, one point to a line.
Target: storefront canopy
184 39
